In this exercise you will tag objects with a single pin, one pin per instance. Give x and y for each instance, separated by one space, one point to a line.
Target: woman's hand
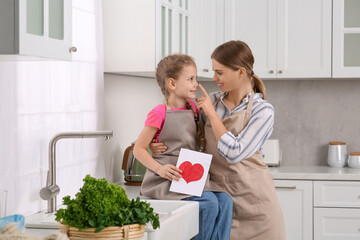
169 172
205 103
157 148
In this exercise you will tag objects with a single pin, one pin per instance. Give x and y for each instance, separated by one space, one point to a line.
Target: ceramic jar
337 154
354 160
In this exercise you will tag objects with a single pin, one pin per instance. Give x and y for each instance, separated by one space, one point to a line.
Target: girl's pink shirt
156 117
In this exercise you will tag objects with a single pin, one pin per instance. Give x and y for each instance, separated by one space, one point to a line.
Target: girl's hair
237 54
171 67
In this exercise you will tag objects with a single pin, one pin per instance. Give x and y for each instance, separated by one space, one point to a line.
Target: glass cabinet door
346 38
174 25
45 28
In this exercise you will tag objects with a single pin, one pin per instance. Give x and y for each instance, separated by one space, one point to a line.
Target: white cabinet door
254 22
346 38
139 33
295 199
206 33
38 28
289 39
336 224
304 39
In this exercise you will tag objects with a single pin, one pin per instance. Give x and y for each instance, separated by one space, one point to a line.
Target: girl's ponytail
199 128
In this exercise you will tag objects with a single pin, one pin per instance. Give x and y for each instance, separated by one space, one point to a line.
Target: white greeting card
195 168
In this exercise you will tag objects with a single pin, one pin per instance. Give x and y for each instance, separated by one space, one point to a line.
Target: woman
237 122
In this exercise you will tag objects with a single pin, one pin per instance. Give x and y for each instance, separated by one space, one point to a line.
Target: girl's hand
205 103
157 148
169 172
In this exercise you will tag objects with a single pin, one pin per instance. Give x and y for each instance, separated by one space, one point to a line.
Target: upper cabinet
289 39
206 33
346 38
138 33
36 28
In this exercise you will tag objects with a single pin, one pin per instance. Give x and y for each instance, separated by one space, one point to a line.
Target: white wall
41 98
127 103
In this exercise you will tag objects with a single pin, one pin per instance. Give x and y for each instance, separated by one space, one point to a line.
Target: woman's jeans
215 217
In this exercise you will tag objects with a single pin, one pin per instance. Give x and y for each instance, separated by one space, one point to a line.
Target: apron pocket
246 193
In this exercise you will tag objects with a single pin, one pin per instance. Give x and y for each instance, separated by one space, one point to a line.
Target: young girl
175 123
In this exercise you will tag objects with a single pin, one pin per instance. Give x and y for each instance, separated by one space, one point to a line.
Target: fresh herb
100 204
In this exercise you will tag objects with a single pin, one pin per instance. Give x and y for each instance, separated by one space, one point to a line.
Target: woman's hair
171 67
237 54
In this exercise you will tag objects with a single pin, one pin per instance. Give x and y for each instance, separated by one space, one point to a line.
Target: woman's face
226 78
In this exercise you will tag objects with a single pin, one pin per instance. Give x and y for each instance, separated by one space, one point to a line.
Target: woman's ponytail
259 86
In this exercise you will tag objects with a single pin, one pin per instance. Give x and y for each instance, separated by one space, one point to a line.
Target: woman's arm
167 171
251 138
212 116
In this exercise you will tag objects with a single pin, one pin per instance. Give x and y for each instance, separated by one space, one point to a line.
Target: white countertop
315 173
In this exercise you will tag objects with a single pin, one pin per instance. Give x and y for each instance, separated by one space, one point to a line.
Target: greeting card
195 168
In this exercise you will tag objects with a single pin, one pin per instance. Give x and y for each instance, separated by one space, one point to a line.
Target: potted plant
102 210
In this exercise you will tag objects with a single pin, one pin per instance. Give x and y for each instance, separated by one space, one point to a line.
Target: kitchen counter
315 173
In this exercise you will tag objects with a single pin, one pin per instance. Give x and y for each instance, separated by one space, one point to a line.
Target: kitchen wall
308 114
41 98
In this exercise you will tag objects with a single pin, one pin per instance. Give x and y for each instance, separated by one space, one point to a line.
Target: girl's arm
167 171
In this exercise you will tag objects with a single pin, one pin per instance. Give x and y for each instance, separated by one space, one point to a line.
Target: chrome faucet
52 189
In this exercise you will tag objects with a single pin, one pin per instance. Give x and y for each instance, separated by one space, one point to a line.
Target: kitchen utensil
354 160
134 171
337 154
272 153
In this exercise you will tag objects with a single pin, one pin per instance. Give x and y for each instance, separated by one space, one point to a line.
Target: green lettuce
101 204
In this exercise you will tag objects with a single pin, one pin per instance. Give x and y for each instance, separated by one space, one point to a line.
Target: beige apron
179 131
257 213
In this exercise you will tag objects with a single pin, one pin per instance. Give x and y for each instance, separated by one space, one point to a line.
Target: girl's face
226 78
186 84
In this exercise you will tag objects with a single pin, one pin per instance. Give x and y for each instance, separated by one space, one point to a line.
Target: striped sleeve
251 138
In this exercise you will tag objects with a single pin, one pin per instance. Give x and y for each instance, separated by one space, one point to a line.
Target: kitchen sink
179 220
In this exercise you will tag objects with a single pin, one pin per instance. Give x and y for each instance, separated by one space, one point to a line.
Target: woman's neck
234 98
175 102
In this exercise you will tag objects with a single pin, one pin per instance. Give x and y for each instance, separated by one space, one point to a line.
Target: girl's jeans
215 215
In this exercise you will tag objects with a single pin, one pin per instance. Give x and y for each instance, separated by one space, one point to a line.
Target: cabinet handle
271 71
205 70
280 71
72 49
285 187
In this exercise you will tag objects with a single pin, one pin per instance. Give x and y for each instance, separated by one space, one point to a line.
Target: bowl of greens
100 209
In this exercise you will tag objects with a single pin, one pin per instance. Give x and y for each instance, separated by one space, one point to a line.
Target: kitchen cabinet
289 39
36 28
336 210
206 33
346 38
138 33
295 198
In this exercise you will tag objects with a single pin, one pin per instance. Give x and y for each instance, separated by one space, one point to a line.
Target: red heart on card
191 173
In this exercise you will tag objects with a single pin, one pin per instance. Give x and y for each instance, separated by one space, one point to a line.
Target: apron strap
250 104
168 108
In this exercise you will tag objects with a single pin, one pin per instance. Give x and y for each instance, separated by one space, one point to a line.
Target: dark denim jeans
215 216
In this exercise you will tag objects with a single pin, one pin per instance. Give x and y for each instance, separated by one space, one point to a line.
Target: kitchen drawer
336 224
336 194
